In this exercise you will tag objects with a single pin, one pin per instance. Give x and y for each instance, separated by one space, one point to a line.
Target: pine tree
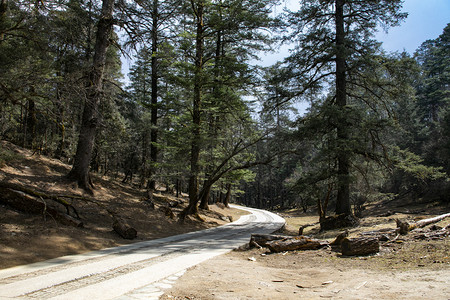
332 35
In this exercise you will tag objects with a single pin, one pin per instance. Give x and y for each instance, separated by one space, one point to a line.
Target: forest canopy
197 116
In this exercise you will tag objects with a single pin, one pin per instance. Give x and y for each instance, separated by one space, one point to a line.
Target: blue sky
426 20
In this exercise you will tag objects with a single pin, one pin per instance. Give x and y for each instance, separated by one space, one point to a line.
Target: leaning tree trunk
90 119
343 192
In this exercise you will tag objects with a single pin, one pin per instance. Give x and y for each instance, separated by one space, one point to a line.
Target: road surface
136 271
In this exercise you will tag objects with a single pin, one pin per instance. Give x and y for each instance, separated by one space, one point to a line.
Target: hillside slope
27 238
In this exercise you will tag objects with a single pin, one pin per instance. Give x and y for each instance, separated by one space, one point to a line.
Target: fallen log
5 186
15 197
261 240
295 243
338 240
405 227
124 229
360 246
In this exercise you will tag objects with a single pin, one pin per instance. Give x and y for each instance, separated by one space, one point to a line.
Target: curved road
136 271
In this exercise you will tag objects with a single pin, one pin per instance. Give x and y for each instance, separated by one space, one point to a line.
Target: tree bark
343 192
90 118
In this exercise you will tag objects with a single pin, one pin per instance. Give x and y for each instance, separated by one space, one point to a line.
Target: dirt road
135 270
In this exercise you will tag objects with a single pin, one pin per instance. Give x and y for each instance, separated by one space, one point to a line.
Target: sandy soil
27 238
308 275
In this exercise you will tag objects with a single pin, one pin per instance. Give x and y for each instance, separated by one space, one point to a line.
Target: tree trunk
228 196
343 192
90 118
196 111
31 121
143 160
154 98
360 246
206 191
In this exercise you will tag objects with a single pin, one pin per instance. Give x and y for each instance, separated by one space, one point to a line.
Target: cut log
360 246
124 229
261 240
405 227
295 243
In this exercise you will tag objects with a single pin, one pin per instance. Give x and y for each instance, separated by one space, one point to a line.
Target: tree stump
339 221
123 229
360 246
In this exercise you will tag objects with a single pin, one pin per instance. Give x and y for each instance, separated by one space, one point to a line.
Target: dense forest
196 115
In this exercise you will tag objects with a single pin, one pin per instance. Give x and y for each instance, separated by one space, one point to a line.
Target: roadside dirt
27 238
308 275
408 268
